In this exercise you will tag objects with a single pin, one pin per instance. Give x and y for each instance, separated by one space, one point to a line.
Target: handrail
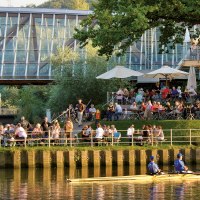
171 137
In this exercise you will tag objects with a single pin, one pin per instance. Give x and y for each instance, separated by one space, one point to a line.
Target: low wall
96 158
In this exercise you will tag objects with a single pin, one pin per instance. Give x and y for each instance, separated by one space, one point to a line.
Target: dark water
52 184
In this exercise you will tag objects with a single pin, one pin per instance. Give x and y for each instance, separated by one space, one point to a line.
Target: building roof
44 10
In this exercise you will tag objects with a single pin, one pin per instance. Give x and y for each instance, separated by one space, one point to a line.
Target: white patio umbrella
119 72
166 72
192 82
187 36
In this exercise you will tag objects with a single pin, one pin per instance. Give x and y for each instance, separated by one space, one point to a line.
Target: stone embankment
96 158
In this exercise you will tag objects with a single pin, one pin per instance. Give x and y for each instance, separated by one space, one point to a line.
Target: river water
28 184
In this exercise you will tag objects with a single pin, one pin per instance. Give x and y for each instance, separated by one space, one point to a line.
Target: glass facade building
29 36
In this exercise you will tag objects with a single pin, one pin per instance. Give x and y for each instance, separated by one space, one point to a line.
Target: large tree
116 24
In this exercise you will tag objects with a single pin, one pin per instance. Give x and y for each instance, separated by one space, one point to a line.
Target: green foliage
29 100
121 22
32 102
76 78
9 96
69 4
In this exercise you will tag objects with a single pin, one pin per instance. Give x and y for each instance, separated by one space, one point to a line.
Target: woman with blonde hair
56 131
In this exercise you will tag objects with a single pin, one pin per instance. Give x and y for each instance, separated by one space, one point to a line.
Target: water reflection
52 184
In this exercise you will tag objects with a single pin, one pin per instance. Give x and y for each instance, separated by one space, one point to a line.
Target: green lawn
166 124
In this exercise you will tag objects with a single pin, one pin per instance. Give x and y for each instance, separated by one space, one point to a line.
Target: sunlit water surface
53 184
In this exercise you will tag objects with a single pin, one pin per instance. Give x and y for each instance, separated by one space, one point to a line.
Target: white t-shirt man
99 133
21 132
130 131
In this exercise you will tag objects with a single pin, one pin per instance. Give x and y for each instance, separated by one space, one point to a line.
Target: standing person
97 117
24 123
130 132
153 167
148 111
68 129
56 131
110 112
118 111
81 108
45 127
92 111
179 164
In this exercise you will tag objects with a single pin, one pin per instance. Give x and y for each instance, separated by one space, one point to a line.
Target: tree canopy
118 23
69 4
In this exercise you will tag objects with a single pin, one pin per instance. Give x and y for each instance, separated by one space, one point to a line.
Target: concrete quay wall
95 158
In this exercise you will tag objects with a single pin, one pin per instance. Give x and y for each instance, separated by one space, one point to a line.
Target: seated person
153 167
174 93
120 96
99 134
116 136
179 164
20 134
134 106
160 134
192 92
84 133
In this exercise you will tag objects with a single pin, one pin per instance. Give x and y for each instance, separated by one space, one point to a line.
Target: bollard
17 159
84 172
108 158
31 159
96 158
197 157
72 158
59 159
46 159
120 158
84 158
187 156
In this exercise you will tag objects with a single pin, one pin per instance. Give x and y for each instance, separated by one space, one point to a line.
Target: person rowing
153 167
180 166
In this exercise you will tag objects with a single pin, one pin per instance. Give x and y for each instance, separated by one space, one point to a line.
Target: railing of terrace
171 137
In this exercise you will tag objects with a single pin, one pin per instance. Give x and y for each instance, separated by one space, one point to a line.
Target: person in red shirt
165 92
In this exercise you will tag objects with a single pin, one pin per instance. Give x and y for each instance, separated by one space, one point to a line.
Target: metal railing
172 137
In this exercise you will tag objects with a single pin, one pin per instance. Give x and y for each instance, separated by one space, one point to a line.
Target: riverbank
83 157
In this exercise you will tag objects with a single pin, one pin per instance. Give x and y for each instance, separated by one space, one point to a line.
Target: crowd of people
11 134
159 93
108 134
162 103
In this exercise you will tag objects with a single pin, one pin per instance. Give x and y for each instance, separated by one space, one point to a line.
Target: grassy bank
166 124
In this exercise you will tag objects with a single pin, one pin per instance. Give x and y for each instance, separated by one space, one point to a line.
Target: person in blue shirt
179 164
153 167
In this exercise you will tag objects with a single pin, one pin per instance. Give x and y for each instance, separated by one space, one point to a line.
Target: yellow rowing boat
139 178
